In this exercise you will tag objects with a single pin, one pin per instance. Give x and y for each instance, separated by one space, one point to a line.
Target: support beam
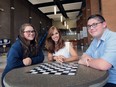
61 8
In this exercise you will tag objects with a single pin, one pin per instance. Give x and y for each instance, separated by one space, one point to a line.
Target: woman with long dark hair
25 51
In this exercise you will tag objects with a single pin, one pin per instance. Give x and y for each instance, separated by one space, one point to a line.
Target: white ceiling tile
55 16
72 6
48 9
73 15
39 1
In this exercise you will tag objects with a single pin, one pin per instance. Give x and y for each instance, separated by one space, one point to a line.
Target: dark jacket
15 57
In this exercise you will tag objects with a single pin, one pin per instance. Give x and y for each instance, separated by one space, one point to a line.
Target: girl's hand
58 59
27 61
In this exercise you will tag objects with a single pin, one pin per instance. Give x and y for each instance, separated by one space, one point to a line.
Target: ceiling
68 9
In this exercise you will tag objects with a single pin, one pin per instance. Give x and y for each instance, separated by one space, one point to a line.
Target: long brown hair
50 44
30 49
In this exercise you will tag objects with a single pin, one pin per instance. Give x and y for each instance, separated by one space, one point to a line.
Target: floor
2 64
3 61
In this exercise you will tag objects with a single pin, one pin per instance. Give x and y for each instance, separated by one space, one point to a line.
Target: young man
101 53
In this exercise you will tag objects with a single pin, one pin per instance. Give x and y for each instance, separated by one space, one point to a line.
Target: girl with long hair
58 49
25 51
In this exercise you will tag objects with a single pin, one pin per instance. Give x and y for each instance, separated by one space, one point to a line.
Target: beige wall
109 12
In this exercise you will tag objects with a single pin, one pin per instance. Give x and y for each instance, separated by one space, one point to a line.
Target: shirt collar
104 36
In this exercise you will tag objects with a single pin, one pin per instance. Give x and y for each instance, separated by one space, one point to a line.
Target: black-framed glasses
29 31
94 25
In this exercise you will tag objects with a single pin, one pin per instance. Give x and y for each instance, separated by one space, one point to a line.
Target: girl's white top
64 51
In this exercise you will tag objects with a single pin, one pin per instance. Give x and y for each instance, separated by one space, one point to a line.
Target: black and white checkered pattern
55 69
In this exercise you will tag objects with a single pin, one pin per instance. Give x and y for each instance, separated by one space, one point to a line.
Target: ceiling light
1 9
67 26
55 10
61 18
65 23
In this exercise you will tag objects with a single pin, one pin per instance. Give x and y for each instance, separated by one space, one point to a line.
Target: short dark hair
97 16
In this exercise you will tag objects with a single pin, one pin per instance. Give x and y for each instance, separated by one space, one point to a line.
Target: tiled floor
3 61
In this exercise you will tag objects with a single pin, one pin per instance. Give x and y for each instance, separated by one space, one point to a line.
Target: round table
85 77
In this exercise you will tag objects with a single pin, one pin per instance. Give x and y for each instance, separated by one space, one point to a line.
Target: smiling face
55 35
96 27
29 33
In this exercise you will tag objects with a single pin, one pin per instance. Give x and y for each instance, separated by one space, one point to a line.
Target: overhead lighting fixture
61 18
12 8
1 9
55 10
67 26
65 23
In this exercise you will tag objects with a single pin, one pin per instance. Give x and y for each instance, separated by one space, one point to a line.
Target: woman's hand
59 58
27 61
